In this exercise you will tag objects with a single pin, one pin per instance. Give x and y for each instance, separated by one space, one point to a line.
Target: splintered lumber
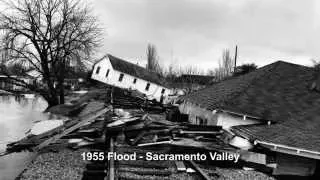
199 132
122 121
155 143
197 168
180 166
158 120
83 121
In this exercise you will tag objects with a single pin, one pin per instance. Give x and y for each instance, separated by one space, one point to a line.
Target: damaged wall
128 80
226 120
196 112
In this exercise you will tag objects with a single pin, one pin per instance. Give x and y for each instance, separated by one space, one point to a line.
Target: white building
120 73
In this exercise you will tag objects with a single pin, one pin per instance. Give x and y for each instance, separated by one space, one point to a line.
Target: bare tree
47 35
152 57
225 68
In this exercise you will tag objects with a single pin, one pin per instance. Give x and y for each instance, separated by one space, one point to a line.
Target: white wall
127 81
195 111
223 119
227 120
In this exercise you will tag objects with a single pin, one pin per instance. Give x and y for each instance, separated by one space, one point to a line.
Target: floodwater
17 115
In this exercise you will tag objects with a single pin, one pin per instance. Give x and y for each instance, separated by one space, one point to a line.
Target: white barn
120 73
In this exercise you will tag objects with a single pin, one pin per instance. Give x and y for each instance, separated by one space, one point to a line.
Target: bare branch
47 34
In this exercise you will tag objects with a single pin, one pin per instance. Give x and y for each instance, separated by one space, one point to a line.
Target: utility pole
235 59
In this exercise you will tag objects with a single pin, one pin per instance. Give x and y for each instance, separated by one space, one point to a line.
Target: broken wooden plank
83 121
197 168
200 132
180 166
155 143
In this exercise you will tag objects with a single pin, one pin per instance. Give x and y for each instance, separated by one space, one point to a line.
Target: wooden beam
155 143
200 132
83 121
202 173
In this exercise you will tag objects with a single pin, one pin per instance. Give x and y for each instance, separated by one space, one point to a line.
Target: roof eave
289 149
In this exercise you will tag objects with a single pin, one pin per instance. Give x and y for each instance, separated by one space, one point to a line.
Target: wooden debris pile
134 131
154 129
85 129
131 99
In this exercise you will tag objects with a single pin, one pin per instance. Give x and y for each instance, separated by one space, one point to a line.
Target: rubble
130 127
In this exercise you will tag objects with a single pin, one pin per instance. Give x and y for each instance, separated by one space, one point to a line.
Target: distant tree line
224 70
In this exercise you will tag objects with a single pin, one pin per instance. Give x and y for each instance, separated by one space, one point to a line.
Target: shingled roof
301 131
274 92
297 133
135 70
279 92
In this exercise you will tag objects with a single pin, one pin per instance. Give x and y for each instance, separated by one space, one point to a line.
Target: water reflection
17 114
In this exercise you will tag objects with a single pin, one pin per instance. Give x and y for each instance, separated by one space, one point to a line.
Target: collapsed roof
279 92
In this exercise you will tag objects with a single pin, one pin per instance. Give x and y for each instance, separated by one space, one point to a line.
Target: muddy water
17 115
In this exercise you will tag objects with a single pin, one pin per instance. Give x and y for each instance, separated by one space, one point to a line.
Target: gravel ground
63 165
235 174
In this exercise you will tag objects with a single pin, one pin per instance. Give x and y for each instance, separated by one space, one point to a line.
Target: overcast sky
193 32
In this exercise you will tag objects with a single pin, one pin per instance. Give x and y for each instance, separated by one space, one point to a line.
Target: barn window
163 90
98 70
148 86
107 72
121 77
134 80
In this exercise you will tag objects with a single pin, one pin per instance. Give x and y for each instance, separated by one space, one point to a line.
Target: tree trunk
61 80
61 95
52 101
